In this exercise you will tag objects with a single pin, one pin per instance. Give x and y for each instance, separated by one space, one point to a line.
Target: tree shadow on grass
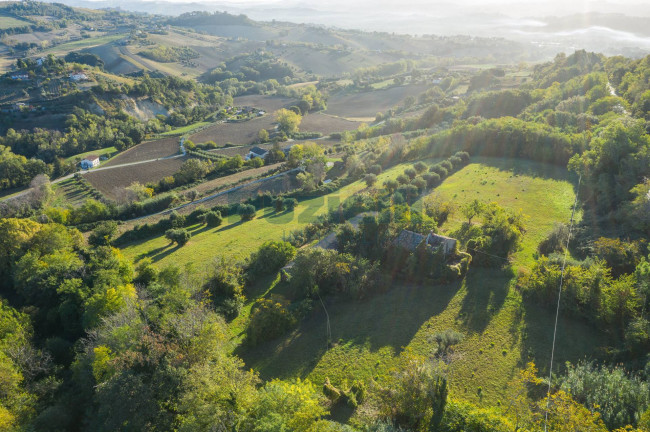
160 253
388 319
231 226
528 168
487 290
575 340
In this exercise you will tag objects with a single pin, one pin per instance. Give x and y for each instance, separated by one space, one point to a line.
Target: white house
80 76
90 161
256 152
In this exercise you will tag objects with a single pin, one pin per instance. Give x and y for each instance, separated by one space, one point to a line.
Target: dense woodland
91 341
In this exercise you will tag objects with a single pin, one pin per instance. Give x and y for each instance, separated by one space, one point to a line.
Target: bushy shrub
432 179
620 397
103 234
179 236
290 203
177 220
417 397
370 179
328 272
621 257
447 165
420 167
225 287
246 211
268 321
402 179
375 169
589 291
555 241
463 155
391 185
462 416
440 170
270 257
456 162
213 218
409 192
419 183
278 204
410 173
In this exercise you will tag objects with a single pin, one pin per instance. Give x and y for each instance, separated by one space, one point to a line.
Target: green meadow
501 333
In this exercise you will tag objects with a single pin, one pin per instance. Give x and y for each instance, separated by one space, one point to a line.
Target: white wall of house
87 163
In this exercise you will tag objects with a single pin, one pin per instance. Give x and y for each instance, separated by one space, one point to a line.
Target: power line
557 310
329 330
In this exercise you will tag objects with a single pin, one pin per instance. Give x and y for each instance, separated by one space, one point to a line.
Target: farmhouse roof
91 158
409 240
436 239
259 150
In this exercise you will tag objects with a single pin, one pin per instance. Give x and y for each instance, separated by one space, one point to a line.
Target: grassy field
108 152
238 240
83 43
235 239
10 22
70 192
543 193
501 333
186 129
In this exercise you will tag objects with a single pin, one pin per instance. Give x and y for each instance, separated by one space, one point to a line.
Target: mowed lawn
500 333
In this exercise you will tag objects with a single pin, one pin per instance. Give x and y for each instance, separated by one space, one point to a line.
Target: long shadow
528 168
161 252
575 339
231 226
387 319
487 290
199 229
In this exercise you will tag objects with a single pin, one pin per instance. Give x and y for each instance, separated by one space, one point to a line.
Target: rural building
410 240
80 76
20 77
90 161
256 152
